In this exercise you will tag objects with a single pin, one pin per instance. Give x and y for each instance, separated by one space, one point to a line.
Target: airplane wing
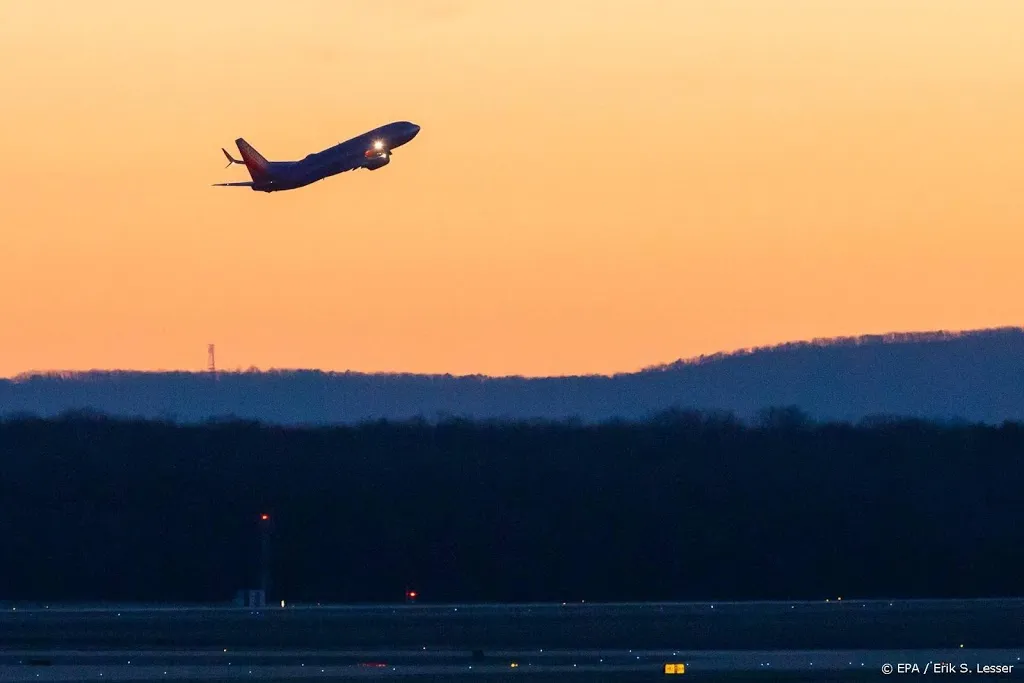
247 183
353 160
360 156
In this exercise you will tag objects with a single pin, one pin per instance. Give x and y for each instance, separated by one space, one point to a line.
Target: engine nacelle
378 161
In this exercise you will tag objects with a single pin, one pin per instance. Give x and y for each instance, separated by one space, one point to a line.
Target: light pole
265 555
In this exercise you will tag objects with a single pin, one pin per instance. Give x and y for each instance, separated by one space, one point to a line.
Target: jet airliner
370 150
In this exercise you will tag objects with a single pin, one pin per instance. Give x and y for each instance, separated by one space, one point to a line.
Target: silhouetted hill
977 376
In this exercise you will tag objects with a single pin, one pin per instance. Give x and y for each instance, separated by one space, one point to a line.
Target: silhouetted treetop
685 505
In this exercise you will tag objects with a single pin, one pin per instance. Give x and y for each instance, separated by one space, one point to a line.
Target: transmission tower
211 361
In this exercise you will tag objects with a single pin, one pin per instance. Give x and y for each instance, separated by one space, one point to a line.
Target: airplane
370 150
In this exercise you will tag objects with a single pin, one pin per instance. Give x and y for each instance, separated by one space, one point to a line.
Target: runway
503 665
846 624
835 640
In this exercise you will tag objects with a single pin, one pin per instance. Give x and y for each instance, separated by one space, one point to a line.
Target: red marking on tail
259 168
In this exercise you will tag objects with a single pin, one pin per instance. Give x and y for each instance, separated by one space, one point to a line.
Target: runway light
264 517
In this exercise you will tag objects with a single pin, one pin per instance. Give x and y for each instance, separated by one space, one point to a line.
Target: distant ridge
975 375
845 342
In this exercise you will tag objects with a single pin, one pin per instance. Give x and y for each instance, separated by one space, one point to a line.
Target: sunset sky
598 185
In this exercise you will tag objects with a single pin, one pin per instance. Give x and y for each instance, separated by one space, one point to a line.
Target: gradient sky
598 185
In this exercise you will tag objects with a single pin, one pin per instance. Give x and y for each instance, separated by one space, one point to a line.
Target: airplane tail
258 167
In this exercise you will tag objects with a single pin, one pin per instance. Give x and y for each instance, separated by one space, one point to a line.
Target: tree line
682 506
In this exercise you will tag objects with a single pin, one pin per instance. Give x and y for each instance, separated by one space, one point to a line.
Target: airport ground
834 640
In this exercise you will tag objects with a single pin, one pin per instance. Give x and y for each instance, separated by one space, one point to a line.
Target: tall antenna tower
211 361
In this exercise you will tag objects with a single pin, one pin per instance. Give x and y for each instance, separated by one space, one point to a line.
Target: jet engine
376 162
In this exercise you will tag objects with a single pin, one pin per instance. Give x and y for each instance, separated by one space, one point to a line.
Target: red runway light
264 517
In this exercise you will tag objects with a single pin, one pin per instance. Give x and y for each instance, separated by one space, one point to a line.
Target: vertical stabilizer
258 167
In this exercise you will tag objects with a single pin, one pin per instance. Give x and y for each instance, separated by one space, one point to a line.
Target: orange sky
598 186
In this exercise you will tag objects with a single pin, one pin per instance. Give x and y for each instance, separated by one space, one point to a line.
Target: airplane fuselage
371 150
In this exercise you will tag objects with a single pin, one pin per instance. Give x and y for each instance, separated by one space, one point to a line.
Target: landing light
378 145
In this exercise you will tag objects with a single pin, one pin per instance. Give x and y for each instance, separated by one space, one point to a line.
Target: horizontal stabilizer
247 183
231 159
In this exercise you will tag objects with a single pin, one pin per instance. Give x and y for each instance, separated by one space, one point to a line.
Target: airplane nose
413 129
